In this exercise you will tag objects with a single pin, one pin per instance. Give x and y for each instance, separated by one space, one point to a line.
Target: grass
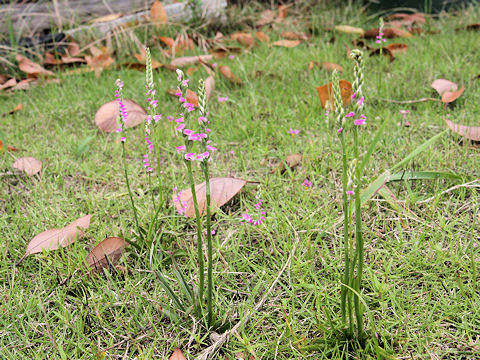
421 272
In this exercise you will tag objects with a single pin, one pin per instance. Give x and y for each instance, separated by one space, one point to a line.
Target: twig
409 101
222 339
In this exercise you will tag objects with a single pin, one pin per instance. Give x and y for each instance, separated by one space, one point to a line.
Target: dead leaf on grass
3 79
292 161
192 98
291 35
222 190
407 19
468 132
29 165
266 17
287 43
347 29
57 238
8 84
107 18
282 13
451 96
243 38
190 60
107 114
14 110
9 147
31 68
158 15
326 94
396 48
177 355
388 33
383 51
107 252
442 86
209 86
325 65
225 71
262 36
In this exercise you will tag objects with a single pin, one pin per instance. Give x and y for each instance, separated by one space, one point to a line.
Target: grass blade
372 146
423 175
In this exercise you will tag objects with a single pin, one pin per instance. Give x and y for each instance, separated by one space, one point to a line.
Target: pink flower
180 127
307 184
182 100
360 101
211 148
222 99
202 119
181 148
339 131
350 192
185 82
231 57
170 118
293 132
178 93
214 65
157 117
361 121
179 120
188 132
190 156
260 219
354 95
350 114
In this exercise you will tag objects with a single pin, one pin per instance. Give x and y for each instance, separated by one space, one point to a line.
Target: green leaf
165 285
374 186
83 146
372 146
423 175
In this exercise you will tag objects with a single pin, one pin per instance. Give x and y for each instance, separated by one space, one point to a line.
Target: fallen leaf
282 13
158 15
14 110
167 41
107 18
442 86
209 86
291 35
108 251
326 94
225 71
73 49
107 114
190 60
331 66
287 43
57 238
451 96
407 19
3 79
50 59
243 38
99 61
31 68
396 48
266 17
223 52
262 36
384 51
29 165
293 160
177 355
468 132
347 29
8 84
142 58
9 147
222 190
192 98
388 33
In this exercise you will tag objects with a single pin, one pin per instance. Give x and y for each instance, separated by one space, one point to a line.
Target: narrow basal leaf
111 248
222 190
57 238
29 165
107 114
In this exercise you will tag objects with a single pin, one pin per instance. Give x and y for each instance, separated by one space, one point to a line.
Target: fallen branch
222 339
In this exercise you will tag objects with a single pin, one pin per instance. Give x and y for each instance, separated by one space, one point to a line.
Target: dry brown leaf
107 114
192 98
142 58
107 18
291 35
100 61
167 41
3 79
108 251
190 60
73 49
29 165
9 147
243 38
468 132
31 68
50 59
331 66
57 238
388 33
282 13
287 43
385 51
267 17
177 355
72 60
14 110
407 19
396 48
222 190
222 52
347 29
158 15
8 84
451 96
225 71
326 94
262 36
293 160
209 86
442 86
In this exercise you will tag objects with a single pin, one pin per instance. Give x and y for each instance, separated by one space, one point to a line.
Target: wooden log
31 18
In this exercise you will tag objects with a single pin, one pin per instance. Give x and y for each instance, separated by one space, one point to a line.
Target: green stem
129 190
201 266
346 230
209 244
359 239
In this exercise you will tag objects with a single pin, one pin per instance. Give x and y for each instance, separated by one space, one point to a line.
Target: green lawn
420 278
